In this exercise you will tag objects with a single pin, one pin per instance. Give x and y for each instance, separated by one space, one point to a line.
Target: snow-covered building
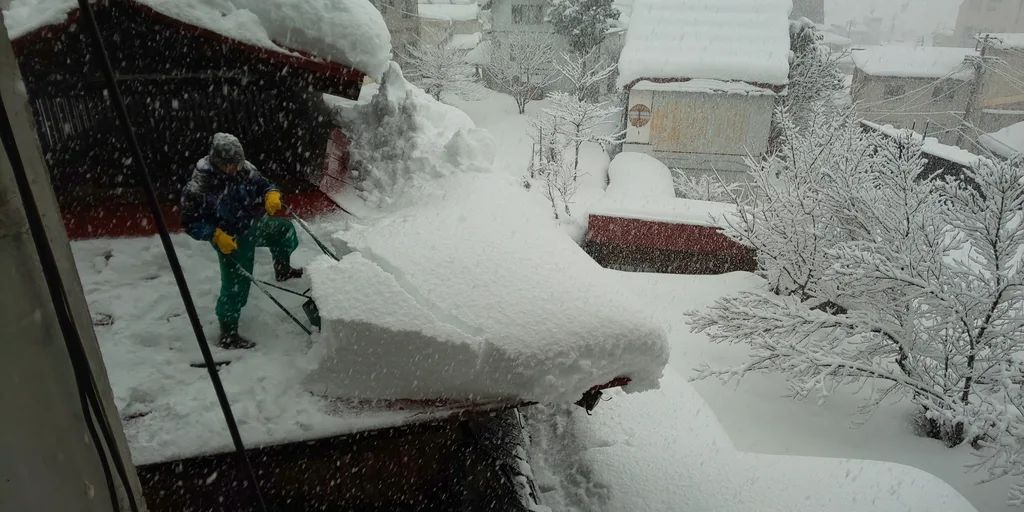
503 18
188 70
403 21
457 19
703 79
1000 97
922 88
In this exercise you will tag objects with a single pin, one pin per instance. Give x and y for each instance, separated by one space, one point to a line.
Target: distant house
459 20
403 21
703 79
505 17
1000 98
921 88
1005 143
940 160
981 16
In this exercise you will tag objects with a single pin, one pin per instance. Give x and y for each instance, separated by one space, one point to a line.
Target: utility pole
976 89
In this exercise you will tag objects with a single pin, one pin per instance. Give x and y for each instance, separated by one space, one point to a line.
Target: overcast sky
916 17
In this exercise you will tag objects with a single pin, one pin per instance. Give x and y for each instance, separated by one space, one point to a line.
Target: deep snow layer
641 187
350 32
474 292
744 40
665 450
915 61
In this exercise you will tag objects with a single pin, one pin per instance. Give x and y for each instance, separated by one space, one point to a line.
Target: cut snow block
477 296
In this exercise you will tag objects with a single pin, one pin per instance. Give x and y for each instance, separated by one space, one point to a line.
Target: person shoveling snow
228 203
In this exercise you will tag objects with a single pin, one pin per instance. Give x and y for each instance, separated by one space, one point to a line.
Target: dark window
527 14
944 90
894 90
407 10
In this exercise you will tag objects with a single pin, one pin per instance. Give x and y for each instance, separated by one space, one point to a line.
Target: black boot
231 340
283 271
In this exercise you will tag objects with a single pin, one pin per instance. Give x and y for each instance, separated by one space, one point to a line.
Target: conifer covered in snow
521 64
440 68
879 276
583 23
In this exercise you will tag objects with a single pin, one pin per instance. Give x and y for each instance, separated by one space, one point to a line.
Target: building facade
813 10
403 21
926 89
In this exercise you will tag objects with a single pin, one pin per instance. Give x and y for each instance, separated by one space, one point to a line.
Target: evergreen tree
583 23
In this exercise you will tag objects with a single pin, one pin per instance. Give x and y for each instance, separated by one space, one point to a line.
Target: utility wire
143 177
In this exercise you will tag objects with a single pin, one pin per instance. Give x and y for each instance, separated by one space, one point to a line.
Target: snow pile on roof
914 61
1003 41
449 10
349 32
930 145
703 85
475 293
1007 142
745 40
403 140
641 187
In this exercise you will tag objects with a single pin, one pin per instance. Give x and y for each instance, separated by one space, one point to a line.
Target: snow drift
463 286
350 32
641 187
402 141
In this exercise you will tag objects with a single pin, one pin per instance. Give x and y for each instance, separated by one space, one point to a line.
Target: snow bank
403 140
745 40
350 32
1007 142
641 187
914 61
475 293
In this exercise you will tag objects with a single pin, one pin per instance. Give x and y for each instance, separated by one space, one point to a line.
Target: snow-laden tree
705 188
439 68
882 279
522 64
579 122
585 74
583 23
814 73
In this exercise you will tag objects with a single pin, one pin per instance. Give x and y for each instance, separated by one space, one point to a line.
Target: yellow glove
272 202
225 242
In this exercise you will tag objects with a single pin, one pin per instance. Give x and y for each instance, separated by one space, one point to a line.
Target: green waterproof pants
274 233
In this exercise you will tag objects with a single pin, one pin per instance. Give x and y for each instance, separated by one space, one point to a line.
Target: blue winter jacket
212 199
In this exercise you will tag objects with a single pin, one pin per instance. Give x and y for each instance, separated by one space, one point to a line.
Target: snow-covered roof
744 40
454 10
703 85
349 32
1003 41
914 61
930 145
1007 142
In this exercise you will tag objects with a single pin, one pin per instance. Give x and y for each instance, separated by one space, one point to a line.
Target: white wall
703 132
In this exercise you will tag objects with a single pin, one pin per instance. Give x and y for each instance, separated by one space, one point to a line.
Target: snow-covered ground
682 447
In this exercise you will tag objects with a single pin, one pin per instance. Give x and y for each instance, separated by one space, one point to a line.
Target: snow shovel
309 307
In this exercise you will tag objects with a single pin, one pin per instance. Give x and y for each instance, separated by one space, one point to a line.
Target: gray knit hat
226 149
